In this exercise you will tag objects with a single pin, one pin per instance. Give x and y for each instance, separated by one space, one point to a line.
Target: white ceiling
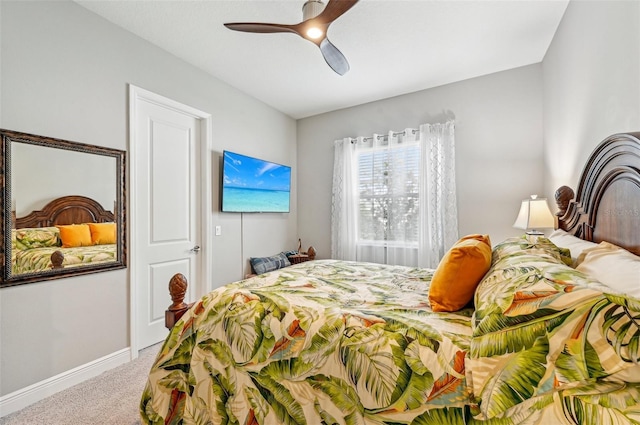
393 46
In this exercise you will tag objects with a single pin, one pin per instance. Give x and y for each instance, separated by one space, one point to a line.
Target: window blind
388 189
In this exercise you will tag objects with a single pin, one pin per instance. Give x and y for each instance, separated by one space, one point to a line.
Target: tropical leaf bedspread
39 259
321 342
333 342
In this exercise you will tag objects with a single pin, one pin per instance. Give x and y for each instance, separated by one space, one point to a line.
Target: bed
37 243
545 340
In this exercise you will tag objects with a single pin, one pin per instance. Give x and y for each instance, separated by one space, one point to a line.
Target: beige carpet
110 398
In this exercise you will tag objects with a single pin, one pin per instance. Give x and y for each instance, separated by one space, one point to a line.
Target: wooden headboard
607 204
66 210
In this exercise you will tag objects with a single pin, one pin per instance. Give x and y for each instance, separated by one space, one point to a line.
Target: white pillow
614 266
575 245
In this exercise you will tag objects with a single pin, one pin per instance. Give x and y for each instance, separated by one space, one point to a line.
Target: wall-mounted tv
254 185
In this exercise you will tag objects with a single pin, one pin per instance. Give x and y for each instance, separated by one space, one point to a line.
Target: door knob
195 249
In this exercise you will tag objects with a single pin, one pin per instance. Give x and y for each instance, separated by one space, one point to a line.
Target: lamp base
533 236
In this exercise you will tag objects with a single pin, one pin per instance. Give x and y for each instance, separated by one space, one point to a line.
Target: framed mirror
62 209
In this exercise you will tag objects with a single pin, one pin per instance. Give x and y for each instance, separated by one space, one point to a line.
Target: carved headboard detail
607 202
66 210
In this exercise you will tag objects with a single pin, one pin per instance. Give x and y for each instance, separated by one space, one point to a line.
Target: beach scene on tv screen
254 185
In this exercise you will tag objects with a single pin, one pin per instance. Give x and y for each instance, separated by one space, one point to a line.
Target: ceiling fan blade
334 57
334 9
260 27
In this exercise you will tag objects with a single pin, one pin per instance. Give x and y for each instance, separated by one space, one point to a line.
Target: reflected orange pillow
103 233
459 272
74 235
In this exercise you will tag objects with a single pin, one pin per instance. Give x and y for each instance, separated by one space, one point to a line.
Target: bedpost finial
178 289
563 196
311 252
57 257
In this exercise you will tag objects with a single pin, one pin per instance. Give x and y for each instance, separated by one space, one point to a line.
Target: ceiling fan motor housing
311 9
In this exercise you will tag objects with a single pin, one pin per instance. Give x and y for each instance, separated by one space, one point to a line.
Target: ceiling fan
316 19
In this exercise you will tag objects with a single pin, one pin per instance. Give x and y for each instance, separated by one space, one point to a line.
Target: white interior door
167 228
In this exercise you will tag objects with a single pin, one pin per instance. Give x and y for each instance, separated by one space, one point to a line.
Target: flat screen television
254 185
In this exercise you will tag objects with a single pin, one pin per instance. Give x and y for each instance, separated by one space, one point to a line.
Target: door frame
136 95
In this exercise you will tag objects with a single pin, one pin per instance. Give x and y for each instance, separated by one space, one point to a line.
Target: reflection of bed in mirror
69 231
45 182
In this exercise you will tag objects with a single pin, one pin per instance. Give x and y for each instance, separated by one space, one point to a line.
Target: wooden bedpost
57 257
311 252
564 195
177 288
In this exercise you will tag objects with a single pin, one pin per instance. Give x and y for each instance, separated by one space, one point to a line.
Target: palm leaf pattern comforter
332 342
39 259
321 342
551 345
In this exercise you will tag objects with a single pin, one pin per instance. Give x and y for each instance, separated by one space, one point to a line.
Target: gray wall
64 74
498 149
591 75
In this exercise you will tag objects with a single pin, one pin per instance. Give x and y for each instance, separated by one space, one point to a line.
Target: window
394 198
388 188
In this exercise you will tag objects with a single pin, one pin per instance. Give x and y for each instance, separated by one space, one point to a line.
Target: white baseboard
24 397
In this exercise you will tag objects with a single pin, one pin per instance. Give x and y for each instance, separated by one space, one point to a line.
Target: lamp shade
534 214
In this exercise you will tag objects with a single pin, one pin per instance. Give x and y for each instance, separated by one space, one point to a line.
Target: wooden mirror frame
6 219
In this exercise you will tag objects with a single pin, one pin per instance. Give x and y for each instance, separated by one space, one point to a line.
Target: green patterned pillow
40 237
538 246
539 319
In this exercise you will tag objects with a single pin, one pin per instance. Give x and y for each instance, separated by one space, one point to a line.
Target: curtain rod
384 136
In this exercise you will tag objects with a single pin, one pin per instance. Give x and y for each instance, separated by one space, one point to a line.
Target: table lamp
534 214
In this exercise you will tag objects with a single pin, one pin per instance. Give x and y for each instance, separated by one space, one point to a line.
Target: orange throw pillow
459 272
75 235
103 233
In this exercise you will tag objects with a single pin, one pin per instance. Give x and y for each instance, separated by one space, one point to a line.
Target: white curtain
344 204
438 202
436 182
